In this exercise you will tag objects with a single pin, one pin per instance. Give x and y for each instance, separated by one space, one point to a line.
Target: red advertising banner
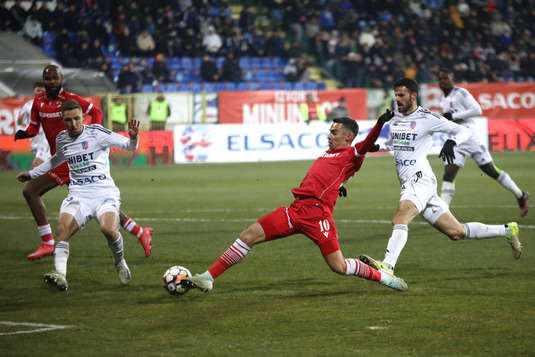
497 100
512 135
10 108
278 107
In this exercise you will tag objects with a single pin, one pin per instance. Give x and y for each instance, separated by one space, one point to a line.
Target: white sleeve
470 107
49 164
113 140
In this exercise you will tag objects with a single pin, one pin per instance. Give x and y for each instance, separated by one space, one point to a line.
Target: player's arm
42 169
110 139
32 129
89 108
368 144
470 108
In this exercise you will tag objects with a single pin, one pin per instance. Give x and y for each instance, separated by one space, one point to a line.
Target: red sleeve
35 122
364 146
90 109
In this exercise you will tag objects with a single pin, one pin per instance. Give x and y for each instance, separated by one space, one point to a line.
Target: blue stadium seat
299 86
261 76
242 86
146 88
266 62
244 62
287 86
182 87
219 86
219 62
197 62
264 86
174 63
150 61
49 37
272 75
195 87
207 87
230 86
276 62
255 62
310 85
170 87
321 86
115 63
276 85
187 63
253 85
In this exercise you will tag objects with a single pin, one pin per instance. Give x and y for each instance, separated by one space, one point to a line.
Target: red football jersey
47 113
333 169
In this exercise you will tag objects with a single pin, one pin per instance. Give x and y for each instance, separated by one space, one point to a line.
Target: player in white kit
459 105
410 139
92 191
38 144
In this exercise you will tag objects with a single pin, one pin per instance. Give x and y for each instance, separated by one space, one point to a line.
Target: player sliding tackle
92 191
311 212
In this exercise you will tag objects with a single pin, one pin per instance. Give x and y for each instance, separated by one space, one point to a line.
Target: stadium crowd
362 43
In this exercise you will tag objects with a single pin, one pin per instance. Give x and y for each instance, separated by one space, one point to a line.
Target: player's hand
447 153
133 128
24 176
21 134
385 117
448 116
342 192
374 148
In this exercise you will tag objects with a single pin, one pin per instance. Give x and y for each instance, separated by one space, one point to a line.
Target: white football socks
396 243
61 255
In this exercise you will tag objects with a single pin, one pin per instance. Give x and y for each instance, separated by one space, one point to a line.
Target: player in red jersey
311 211
46 112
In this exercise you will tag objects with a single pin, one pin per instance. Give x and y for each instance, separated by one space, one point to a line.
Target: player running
38 144
460 106
46 112
311 212
92 191
411 138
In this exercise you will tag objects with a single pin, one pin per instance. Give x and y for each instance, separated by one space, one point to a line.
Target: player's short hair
70 104
448 71
348 123
410 83
38 84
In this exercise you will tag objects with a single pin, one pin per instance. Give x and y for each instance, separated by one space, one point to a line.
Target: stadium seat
219 62
253 86
321 86
260 76
287 86
255 62
170 87
264 86
197 62
299 86
277 85
146 88
174 63
195 87
150 61
207 87
266 62
230 86
276 62
310 85
242 86
182 87
115 63
219 86
187 63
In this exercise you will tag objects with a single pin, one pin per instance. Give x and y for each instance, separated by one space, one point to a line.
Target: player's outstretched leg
144 235
512 238
56 280
392 281
203 282
44 250
123 272
523 203
377 264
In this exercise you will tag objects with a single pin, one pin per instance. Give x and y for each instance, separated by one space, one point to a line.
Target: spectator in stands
290 70
257 43
127 44
82 55
128 81
158 112
247 18
354 70
191 43
159 69
72 18
95 50
144 71
274 46
311 110
18 13
211 41
44 15
340 110
57 20
108 71
231 71
6 18
33 31
209 71
145 44
98 31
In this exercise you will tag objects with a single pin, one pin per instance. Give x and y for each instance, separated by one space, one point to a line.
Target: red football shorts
60 174
309 217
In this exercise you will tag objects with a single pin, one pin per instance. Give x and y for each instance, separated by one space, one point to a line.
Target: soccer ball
172 280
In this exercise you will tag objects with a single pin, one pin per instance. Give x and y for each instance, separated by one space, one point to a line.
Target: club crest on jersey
85 145
413 124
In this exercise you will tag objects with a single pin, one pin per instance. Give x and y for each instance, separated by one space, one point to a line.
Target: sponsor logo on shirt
400 162
88 180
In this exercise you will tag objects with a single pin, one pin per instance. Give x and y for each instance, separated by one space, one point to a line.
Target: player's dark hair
70 104
38 84
410 83
348 123
448 71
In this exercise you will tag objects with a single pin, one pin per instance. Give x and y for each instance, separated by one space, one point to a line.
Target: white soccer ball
172 280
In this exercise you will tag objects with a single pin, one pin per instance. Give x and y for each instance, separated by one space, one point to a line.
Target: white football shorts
84 209
422 191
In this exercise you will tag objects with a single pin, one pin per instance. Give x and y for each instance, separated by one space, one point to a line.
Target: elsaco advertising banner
280 106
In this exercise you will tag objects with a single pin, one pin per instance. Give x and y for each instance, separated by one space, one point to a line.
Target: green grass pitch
464 298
